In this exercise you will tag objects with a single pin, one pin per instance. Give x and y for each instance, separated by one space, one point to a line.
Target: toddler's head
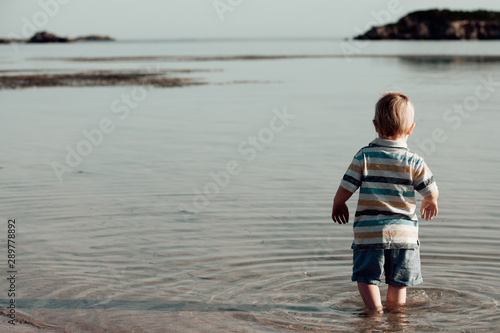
394 114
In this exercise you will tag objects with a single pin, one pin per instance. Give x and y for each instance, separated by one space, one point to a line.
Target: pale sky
172 19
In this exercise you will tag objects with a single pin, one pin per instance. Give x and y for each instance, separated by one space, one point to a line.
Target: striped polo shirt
387 175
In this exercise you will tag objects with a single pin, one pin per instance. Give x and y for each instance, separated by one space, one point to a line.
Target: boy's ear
375 124
411 129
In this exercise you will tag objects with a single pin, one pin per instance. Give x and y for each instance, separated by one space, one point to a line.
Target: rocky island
439 25
47 37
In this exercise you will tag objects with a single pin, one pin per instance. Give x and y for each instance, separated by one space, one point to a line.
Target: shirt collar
389 143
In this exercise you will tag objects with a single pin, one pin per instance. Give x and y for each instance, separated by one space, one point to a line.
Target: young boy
386 225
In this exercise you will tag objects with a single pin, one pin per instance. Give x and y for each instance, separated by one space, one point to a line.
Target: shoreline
471 57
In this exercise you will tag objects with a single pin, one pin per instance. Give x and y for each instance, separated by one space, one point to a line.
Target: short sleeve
352 178
423 180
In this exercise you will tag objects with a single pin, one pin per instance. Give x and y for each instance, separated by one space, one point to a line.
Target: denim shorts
401 267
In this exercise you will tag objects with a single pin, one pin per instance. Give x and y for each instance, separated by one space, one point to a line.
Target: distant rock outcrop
94 38
440 25
47 37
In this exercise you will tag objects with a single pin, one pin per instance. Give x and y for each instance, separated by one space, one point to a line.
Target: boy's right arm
340 212
429 207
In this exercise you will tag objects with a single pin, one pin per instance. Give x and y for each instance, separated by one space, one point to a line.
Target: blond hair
393 114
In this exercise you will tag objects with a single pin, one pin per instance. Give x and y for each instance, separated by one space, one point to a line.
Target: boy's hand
429 208
340 213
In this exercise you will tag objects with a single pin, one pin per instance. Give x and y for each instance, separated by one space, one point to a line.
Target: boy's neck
397 137
394 137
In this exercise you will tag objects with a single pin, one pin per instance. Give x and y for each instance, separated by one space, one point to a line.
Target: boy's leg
367 272
402 270
371 295
396 295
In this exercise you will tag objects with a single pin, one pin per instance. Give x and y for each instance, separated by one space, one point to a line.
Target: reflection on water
447 60
108 249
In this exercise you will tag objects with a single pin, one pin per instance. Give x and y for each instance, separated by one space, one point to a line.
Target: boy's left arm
340 212
429 208
427 187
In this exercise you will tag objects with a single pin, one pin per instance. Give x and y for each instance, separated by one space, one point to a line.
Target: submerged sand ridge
99 78
108 78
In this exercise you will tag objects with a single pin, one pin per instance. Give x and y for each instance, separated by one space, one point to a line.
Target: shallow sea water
125 242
